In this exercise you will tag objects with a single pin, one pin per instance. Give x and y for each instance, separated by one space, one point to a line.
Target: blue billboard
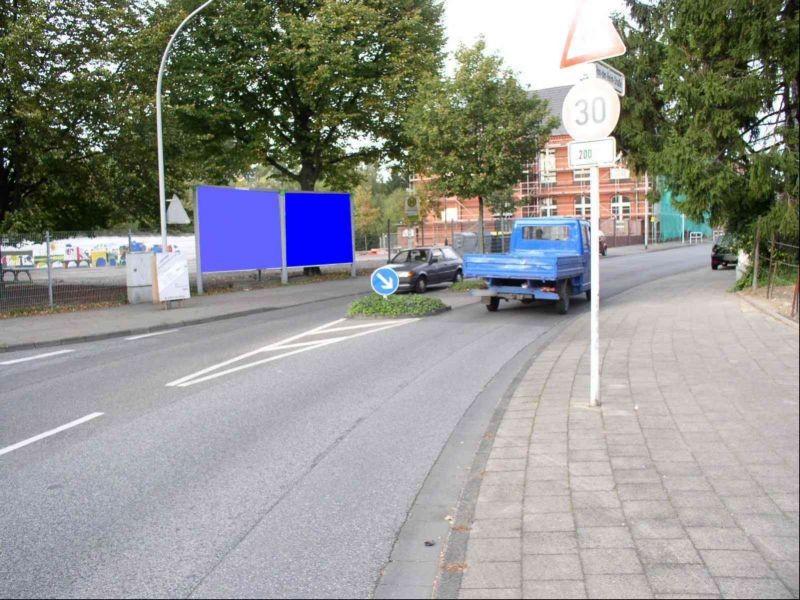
237 230
319 229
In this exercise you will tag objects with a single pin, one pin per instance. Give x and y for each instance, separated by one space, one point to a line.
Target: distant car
418 268
723 253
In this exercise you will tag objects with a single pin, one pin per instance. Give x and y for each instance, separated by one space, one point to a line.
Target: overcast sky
528 34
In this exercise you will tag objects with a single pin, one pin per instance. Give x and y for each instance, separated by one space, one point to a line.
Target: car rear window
552 233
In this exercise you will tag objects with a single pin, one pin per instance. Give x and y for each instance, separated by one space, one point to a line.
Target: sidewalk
684 483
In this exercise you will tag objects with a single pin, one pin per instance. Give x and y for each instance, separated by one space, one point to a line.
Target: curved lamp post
161 185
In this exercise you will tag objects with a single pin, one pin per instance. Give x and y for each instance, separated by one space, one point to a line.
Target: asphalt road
287 474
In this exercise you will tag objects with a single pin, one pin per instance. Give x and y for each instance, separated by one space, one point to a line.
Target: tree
713 103
312 88
473 133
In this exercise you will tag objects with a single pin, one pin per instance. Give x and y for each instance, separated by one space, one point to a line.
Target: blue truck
549 260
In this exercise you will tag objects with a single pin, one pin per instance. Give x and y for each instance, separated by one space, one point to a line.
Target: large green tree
472 133
712 102
312 88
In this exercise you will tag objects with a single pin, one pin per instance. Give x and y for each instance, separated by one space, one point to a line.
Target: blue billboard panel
319 229
238 230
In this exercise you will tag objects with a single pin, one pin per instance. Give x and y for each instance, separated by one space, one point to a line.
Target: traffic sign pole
594 188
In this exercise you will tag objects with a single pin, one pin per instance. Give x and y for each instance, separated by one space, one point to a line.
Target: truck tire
589 295
494 304
564 292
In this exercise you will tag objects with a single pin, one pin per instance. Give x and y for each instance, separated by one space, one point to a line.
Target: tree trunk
309 174
480 224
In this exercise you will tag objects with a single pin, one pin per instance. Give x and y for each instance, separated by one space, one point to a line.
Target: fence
781 261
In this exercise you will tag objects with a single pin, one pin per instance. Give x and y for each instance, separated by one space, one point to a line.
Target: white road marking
41 436
298 347
147 335
36 357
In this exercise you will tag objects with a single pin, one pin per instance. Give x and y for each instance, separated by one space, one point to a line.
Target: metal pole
756 257
353 235
198 265
683 228
646 212
594 186
388 241
162 194
49 270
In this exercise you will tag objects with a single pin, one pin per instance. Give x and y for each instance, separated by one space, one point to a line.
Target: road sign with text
596 153
591 110
608 73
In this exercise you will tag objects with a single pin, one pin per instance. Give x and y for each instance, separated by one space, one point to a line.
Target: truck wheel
589 295
564 292
422 285
494 304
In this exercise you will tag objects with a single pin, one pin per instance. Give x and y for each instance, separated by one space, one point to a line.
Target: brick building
551 188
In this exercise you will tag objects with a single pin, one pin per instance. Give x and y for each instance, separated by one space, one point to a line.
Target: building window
621 207
548 207
547 166
530 210
618 173
580 175
583 207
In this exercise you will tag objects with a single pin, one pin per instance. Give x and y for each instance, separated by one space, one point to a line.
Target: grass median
405 305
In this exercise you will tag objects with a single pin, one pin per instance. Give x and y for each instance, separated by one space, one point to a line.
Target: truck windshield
552 233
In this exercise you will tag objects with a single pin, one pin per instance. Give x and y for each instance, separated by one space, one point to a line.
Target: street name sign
591 110
591 36
608 73
596 153
384 281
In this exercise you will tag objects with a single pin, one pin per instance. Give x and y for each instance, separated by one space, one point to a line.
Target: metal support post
49 270
683 228
284 268
594 185
353 235
388 241
198 266
646 212
756 256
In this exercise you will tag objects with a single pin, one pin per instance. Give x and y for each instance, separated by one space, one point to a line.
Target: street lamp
162 194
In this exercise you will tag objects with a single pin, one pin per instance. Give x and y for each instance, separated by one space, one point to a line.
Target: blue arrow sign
384 281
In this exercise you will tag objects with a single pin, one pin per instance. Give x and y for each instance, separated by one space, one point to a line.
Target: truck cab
549 260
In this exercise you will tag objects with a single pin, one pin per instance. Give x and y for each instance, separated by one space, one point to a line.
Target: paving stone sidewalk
684 483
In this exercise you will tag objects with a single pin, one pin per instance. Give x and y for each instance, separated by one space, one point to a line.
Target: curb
141 330
768 311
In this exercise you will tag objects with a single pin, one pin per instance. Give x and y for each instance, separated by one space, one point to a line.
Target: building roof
555 99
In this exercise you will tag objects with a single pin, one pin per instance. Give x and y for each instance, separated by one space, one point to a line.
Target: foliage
712 103
405 305
468 284
471 134
311 88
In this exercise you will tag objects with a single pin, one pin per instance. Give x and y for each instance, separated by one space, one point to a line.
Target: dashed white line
36 357
147 335
41 436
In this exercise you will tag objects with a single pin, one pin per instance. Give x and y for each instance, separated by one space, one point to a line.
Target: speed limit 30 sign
591 110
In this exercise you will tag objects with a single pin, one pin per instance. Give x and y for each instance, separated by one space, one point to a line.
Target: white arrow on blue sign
384 281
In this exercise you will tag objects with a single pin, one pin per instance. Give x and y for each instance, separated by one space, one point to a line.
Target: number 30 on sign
591 110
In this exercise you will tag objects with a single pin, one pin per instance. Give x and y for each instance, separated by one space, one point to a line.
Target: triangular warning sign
591 37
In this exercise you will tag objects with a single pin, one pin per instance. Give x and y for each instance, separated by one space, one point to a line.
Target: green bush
406 305
468 284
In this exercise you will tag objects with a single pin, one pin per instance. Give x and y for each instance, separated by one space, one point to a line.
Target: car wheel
421 285
494 304
564 292
459 276
603 252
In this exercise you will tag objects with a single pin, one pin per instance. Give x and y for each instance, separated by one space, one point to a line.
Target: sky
528 34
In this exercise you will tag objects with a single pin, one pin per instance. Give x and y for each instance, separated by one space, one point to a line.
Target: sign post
590 113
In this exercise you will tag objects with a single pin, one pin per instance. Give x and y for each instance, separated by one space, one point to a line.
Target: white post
683 228
646 211
284 260
594 186
162 194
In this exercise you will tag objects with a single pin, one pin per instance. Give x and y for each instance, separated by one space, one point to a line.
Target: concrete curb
768 311
142 330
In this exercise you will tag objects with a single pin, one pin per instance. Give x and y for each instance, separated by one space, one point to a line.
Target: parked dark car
723 253
418 268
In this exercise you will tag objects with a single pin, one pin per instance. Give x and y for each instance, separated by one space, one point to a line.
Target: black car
723 253
418 268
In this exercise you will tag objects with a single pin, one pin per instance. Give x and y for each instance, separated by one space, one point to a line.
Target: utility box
466 243
139 267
